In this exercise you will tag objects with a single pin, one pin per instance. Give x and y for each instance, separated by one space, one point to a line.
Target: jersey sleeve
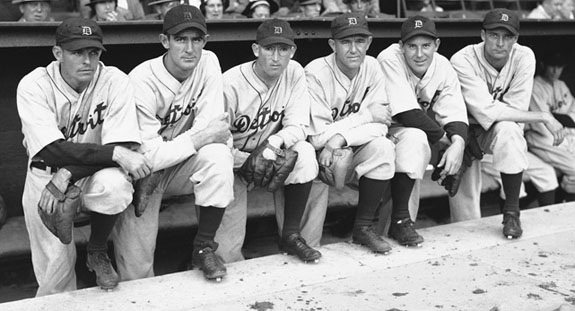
297 112
400 94
160 153
38 116
450 106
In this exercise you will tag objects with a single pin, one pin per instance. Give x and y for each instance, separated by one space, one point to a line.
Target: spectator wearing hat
307 9
161 7
213 9
496 79
35 10
368 7
260 8
551 95
106 10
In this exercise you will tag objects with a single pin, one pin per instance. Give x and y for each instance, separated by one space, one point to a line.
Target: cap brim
181 27
420 32
159 2
351 32
275 40
504 26
79 44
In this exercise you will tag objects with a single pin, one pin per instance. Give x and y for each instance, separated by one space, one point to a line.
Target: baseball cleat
294 244
211 265
106 276
511 225
364 235
403 232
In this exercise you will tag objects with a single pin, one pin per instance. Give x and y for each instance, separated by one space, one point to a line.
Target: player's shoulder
210 60
112 72
389 53
295 68
464 52
236 70
523 52
37 75
318 65
145 68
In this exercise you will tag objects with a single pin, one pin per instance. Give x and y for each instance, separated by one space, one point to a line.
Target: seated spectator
342 6
34 10
161 7
117 10
260 8
133 9
309 8
213 9
429 7
548 9
105 10
567 10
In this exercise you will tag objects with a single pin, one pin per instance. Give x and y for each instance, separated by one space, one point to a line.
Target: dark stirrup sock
296 196
401 187
208 223
511 187
546 198
370 194
101 226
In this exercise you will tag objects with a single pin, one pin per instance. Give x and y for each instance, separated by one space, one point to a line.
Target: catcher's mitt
335 174
266 173
143 190
61 221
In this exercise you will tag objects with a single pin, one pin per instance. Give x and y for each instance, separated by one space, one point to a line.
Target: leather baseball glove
61 221
335 174
143 190
265 173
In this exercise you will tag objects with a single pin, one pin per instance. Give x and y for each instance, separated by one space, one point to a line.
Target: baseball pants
208 175
561 157
108 191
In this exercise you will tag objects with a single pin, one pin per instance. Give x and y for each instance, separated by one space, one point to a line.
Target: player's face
78 67
103 10
553 73
214 9
418 52
261 11
184 51
311 10
272 59
350 52
498 44
359 6
35 11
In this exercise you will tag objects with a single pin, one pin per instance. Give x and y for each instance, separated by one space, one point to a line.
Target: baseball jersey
339 105
487 91
438 91
168 108
553 98
51 110
257 112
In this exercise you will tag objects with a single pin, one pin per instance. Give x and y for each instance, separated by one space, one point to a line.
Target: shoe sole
314 259
105 287
417 243
384 252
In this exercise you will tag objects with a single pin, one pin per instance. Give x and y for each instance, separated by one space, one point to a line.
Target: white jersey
438 91
258 112
339 105
553 98
487 91
167 108
51 110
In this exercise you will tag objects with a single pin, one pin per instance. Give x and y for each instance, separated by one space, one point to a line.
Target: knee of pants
568 184
306 167
217 158
108 191
412 153
509 147
213 179
376 159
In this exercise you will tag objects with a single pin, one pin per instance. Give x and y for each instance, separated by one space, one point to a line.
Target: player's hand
217 132
325 157
134 163
453 157
112 16
48 202
381 113
556 129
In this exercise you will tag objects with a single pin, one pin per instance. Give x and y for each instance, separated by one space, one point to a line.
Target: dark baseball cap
502 18
349 24
273 31
79 33
183 17
417 26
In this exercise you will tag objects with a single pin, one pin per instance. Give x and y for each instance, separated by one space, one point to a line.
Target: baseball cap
416 26
273 31
502 18
161 1
182 17
25 1
309 2
79 33
349 24
253 3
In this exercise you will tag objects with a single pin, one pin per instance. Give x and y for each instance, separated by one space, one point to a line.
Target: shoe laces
208 257
511 218
102 261
406 225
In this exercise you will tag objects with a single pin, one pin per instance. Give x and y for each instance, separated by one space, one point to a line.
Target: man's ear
57 52
292 53
256 49
437 43
331 43
165 40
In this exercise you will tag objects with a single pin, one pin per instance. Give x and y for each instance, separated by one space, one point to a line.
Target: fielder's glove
266 173
61 221
143 190
335 174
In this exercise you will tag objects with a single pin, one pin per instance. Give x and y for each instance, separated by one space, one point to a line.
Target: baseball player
496 79
349 108
184 131
267 102
77 114
428 108
550 94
